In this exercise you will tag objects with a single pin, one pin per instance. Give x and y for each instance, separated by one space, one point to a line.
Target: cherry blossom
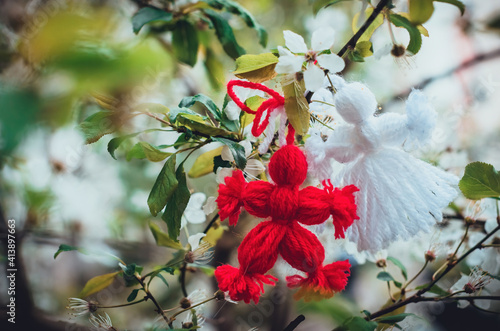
296 53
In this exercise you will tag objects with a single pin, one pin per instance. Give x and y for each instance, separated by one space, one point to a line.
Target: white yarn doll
399 195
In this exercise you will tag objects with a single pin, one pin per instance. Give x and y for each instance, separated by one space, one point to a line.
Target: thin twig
149 295
352 42
293 324
215 218
123 305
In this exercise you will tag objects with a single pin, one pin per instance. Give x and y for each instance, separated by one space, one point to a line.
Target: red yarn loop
267 107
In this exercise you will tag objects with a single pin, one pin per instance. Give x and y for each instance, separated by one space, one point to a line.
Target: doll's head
288 166
355 103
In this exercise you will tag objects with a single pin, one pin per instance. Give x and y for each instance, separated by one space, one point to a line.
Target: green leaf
147 15
204 100
157 273
204 164
357 323
480 180
364 48
99 124
235 8
420 11
114 143
177 111
177 204
133 295
162 239
225 34
185 42
354 56
68 248
164 187
385 276
163 279
143 150
129 272
256 68
236 149
136 151
97 284
320 4
415 37
220 163
196 123
395 318
296 105
458 4
18 112
400 265
151 107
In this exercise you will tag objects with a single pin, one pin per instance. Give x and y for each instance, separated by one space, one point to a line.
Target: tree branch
465 65
352 42
417 297
293 324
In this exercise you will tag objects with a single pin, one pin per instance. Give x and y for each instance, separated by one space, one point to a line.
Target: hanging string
274 103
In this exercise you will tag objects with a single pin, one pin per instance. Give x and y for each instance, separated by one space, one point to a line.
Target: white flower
101 321
253 168
292 59
474 283
193 212
187 323
81 307
200 250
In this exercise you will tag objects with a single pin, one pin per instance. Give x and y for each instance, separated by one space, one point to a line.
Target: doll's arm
230 199
421 120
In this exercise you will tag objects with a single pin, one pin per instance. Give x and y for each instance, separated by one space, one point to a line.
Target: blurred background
57 56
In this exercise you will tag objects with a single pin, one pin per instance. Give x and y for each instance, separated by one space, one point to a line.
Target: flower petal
226 154
322 39
194 240
232 111
254 167
313 77
294 42
210 206
332 62
289 63
247 145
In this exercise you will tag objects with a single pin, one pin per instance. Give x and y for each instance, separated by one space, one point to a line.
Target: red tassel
286 205
323 283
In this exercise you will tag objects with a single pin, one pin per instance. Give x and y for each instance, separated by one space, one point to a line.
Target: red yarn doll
285 206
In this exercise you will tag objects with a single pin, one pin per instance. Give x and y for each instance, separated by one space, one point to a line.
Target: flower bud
219 295
430 256
382 263
185 303
398 50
